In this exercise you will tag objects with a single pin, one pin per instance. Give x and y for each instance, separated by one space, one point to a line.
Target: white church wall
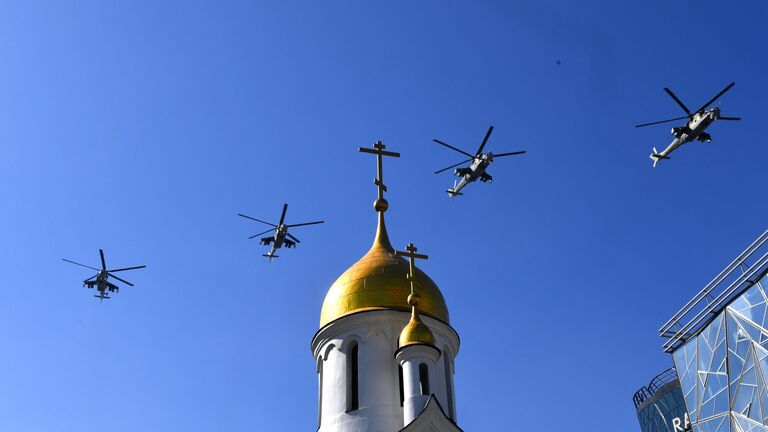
376 333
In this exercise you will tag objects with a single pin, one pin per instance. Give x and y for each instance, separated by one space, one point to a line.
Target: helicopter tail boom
656 157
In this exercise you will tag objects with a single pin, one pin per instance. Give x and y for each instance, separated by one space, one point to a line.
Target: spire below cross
378 150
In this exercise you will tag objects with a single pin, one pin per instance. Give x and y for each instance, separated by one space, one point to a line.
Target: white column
379 393
410 357
334 382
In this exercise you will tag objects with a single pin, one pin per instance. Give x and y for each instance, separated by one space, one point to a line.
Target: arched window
402 392
352 378
449 385
424 379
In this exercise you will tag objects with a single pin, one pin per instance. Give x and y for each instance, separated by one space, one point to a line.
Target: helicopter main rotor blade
294 238
509 154
453 148
453 166
729 118
121 280
717 96
485 140
81 265
126 268
305 223
90 278
257 220
679 102
282 216
103 263
663 121
261 233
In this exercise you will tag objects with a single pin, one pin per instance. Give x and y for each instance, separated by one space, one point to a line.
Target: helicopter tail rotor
656 157
453 192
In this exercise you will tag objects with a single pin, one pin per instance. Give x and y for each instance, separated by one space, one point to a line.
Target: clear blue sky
144 127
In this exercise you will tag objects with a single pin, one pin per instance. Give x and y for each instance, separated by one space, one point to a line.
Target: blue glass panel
748 328
747 301
685 363
708 339
713 380
714 396
746 390
738 348
744 424
761 354
717 424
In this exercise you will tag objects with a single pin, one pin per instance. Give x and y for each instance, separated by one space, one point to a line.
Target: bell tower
385 349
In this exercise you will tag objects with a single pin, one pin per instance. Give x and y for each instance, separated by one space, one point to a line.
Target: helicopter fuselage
692 130
102 285
280 233
475 171
277 241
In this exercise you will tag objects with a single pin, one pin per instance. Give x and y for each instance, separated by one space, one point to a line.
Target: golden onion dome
379 281
415 332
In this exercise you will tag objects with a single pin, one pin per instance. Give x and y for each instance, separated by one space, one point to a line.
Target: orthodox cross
412 256
378 150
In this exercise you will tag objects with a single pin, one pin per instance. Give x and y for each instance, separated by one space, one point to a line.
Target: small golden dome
379 281
415 332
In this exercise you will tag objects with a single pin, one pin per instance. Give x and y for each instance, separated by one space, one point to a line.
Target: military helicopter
100 281
476 170
698 121
281 232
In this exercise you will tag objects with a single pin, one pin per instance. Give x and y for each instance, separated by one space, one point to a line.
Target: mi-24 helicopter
281 235
101 280
476 170
698 121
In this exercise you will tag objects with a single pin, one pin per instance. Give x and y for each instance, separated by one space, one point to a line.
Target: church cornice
380 318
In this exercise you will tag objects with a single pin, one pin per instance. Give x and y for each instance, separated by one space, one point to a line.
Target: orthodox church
385 349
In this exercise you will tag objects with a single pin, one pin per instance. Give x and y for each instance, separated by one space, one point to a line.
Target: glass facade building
660 405
724 369
719 344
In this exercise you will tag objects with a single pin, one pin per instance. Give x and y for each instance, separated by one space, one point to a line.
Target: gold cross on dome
378 150
412 256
